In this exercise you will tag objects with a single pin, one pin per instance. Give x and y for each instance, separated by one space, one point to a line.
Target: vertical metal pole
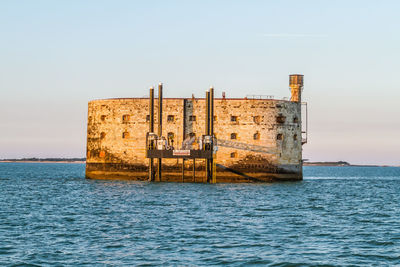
160 97
194 170
183 170
207 132
211 117
211 101
184 119
207 119
151 130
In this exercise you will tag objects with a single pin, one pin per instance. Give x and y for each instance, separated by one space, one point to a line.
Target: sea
50 215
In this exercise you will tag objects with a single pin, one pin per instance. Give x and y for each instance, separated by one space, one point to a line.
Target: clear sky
55 56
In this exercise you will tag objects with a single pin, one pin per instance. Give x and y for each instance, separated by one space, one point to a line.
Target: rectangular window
234 118
170 118
257 119
233 135
192 118
147 118
125 118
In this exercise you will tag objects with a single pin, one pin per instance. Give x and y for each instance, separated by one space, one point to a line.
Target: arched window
125 135
170 137
279 136
256 136
257 119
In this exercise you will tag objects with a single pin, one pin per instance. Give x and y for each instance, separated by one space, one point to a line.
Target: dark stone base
171 174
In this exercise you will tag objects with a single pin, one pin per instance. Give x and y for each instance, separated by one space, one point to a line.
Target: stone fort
258 139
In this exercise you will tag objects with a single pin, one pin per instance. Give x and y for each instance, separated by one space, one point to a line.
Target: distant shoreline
343 164
40 161
45 160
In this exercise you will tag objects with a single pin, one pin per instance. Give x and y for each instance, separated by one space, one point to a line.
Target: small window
257 119
256 136
103 117
295 137
170 137
233 155
215 118
233 136
234 118
280 119
192 118
192 135
102 154
170 118
125 118
102 135
125 135
279 137
295 120
147 118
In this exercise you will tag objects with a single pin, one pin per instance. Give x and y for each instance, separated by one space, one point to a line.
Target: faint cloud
293 35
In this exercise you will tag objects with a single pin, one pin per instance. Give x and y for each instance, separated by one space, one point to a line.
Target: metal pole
183 170
211 101
160 97
151 130
207 131
211 117
194 170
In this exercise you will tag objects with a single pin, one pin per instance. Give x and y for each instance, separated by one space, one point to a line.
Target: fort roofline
196 98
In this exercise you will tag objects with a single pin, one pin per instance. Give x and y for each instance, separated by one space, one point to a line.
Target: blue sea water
338 216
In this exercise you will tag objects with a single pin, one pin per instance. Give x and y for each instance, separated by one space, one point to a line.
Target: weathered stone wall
117 135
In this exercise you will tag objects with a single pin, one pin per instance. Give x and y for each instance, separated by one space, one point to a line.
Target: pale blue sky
55 56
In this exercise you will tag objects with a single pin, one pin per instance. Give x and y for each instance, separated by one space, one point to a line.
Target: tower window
256 136
233 155
192 118
257 119
233 135
295 137
234 118
125 135
126 118
295 120
280 119
170 118
279 136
